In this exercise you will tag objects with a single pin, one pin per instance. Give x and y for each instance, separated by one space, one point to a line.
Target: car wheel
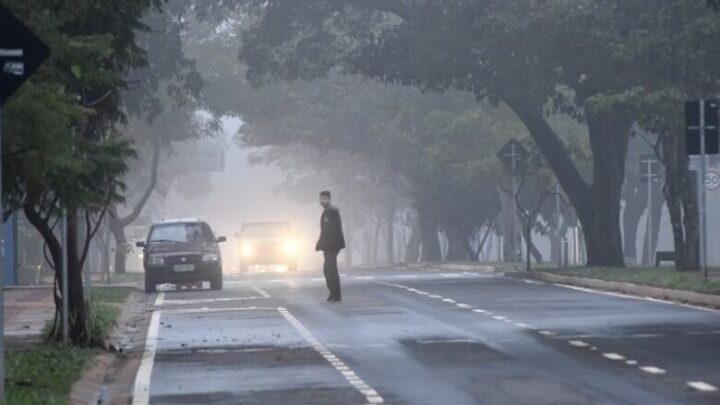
150 285
216 283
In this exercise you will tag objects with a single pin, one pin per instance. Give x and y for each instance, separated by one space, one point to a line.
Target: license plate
184 267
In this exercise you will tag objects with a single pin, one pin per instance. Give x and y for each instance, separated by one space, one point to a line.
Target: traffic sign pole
2 276
514 211
703 200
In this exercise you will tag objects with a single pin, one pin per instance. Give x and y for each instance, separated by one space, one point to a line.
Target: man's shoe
335 300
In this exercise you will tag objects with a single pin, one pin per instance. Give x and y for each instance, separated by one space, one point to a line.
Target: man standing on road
331 242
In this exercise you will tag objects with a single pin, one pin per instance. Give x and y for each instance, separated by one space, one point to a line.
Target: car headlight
290 247
210 257
247 249
156 260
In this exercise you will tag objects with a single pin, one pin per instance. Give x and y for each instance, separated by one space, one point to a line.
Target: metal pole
514 207
649 212
2 280
557 224
703 201
64 268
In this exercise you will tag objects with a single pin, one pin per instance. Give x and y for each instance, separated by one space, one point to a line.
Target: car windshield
181 233
265 230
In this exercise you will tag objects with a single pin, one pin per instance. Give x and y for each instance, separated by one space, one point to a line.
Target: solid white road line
635 297
371 396
578 343
205 300
160 299
260 291
702 386
141 390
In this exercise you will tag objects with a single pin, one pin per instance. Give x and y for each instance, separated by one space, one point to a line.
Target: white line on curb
141 390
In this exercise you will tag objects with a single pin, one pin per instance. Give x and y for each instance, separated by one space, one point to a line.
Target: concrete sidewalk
27 310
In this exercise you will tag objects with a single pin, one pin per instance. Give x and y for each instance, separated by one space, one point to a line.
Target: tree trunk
118 224
597 206
635 204
680 193
390 245
431 251
457 251
78 311
657 207
121 245
412 251
609 137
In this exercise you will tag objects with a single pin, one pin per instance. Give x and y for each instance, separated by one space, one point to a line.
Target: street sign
712 180
513 155
21 53
692 127
207 159
649 168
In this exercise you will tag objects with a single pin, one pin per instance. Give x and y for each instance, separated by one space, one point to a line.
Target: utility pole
557 225
64 278
513 155
649 173
703 199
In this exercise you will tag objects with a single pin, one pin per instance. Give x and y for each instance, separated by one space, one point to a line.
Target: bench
664 256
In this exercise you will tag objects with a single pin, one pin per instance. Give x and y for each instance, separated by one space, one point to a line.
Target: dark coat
331 233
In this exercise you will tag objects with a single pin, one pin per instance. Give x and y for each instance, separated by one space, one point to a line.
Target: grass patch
127 277
115 295
104 320
664 277
44 374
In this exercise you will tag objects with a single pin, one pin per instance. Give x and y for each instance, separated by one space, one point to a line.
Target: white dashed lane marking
702 386
652 370
613 356
371 396
697 385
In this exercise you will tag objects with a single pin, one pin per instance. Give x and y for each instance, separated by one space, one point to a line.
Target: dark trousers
332 278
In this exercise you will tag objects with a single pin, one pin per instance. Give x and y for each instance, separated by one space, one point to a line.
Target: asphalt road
424 337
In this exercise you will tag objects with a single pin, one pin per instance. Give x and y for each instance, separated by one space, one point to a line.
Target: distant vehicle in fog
182 251
267 243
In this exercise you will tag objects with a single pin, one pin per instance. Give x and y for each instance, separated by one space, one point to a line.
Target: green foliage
103 320
44 374
663 277
112 295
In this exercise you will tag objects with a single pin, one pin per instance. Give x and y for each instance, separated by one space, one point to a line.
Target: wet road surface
424 337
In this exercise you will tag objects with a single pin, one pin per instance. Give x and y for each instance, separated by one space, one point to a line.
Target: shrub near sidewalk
45 373
663 277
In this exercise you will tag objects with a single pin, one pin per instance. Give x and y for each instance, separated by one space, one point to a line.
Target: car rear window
265 230
181 233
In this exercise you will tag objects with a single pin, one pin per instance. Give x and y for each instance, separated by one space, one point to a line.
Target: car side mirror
221 239
140 244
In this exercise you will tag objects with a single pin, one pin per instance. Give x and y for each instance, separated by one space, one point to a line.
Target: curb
666 294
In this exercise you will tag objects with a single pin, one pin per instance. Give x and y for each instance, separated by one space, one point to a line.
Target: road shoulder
110 376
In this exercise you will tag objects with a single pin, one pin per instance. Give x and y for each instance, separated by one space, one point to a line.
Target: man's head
325 199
